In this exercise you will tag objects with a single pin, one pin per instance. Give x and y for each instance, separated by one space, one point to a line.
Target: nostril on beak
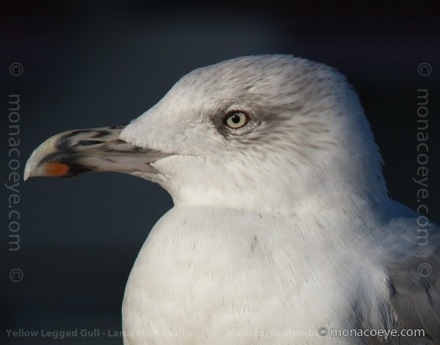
89 142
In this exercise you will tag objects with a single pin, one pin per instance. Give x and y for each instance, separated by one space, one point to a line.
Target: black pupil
235 119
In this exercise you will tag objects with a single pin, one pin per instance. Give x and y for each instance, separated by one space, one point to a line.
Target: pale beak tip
31 168
27 173
33 165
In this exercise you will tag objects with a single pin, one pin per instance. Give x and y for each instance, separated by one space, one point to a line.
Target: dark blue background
89 64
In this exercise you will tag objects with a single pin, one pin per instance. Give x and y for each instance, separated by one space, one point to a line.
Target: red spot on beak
57 169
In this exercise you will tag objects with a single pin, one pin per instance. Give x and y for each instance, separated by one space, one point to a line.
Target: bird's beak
75 152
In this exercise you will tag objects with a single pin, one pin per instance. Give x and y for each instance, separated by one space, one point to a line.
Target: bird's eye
236 119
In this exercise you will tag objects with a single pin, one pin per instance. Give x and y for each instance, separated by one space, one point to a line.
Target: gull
282 231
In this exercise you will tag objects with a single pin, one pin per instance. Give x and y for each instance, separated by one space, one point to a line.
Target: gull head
260 132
